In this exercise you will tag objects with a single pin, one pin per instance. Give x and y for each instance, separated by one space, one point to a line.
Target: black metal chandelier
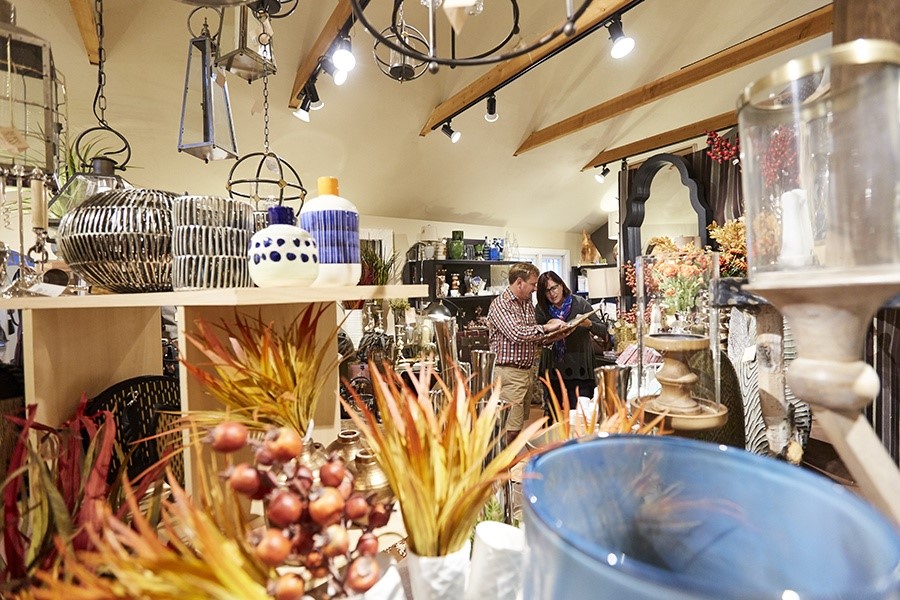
396 36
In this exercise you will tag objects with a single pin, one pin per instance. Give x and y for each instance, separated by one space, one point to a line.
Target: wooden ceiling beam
85 17
801 29
598 12
336 22
662 140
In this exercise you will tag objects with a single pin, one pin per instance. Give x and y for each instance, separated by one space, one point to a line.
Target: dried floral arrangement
731 238
57 491
204 547
435 457
618 418
173 547
263 376
308 517
190 557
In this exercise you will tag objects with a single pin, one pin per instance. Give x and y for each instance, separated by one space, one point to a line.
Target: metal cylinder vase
483 362
613 383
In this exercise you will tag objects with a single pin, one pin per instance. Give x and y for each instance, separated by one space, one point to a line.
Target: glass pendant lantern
207 128
245 43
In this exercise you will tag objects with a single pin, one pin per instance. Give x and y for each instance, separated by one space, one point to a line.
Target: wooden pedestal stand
685 413
829 317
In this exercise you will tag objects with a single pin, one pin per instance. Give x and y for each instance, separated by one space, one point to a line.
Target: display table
74 345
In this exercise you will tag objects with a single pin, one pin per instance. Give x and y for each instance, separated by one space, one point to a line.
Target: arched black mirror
665 199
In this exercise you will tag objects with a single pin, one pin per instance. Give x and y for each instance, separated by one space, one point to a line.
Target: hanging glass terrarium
96 168
207 128
31 94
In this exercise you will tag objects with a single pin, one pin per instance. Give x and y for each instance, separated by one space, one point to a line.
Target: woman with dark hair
573 355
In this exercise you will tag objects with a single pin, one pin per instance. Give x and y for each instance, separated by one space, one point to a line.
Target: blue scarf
561 313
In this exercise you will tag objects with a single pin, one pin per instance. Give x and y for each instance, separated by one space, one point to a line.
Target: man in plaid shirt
515 337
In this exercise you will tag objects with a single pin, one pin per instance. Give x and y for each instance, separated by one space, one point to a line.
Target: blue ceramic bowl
649 518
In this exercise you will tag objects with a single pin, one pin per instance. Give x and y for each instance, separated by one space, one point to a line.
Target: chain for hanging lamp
103 127
393 36
262 187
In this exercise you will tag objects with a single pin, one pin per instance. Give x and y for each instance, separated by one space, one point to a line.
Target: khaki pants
517 388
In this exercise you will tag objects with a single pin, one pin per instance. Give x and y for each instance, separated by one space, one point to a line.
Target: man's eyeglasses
553 288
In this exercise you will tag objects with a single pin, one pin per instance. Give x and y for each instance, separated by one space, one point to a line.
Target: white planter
497 558
439 577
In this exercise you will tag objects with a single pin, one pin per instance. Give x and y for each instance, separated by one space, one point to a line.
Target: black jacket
578 360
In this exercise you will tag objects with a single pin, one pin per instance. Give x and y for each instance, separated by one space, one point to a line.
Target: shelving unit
576 271
74 345
424 272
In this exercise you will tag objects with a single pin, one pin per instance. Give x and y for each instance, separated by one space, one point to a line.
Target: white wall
406 233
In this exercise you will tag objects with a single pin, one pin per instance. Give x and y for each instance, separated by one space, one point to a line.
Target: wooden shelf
478 297
74 345
221 297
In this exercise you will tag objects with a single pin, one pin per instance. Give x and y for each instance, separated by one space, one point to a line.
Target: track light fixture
315 103
448 131
491 115
302 111
339 76
601 176
342 57
622 44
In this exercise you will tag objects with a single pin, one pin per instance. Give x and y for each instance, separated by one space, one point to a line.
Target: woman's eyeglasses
553 288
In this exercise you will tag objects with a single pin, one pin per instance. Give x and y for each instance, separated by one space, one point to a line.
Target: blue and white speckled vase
283 254
334 222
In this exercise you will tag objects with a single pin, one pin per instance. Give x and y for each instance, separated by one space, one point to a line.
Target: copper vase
348 443
370 478
313 456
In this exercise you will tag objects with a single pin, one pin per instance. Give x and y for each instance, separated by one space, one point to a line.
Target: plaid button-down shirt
513 332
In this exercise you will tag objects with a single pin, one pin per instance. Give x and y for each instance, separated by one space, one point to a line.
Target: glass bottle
456 246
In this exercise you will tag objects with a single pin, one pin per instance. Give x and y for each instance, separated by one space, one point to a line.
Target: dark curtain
721 182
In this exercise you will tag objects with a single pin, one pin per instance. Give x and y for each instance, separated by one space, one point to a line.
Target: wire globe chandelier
399 38
398 65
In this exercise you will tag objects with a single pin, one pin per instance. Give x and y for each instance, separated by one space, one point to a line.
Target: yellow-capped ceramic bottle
334 223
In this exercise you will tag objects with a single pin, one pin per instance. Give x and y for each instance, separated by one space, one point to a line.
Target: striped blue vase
334 223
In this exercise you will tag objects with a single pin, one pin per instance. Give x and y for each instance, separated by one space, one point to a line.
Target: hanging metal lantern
30 97
207 129
245 43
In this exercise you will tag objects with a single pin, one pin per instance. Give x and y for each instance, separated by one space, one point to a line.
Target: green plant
376 268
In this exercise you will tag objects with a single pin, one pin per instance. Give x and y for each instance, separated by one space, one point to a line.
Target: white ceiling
368 133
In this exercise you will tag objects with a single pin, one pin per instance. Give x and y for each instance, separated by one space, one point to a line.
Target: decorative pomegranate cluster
721 150
307 519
